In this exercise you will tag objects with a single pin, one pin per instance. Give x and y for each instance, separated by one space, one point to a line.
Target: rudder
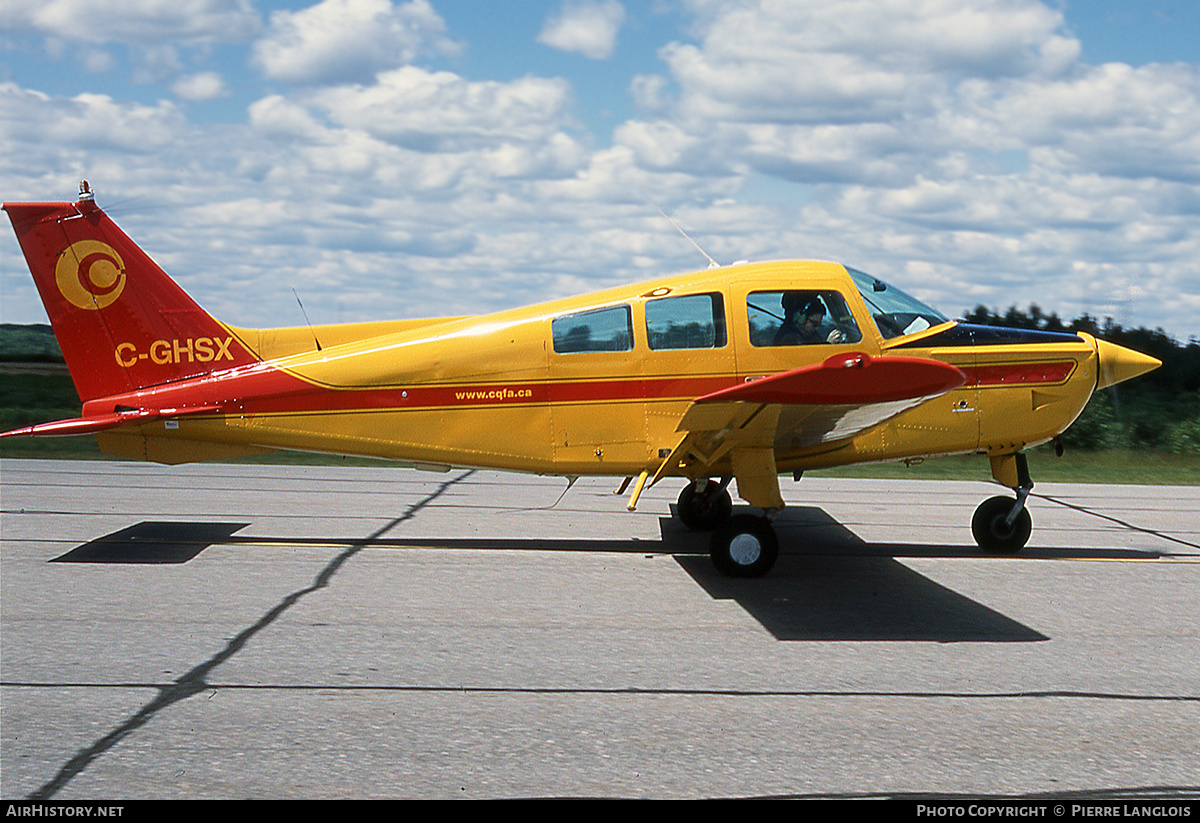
121 322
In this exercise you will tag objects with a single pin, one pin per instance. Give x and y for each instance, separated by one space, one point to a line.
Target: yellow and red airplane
741 372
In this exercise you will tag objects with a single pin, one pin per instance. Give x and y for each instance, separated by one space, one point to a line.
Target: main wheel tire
746 546
706 510
995 535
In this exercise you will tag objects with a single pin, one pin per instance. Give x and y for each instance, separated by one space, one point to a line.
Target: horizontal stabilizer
103 422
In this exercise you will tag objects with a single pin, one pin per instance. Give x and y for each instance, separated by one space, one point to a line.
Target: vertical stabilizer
121 322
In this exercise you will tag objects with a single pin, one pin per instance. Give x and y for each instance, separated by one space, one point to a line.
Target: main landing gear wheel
992 530
746 546
703 511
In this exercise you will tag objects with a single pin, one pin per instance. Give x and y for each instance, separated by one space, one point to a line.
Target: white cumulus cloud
441 111
206 85
134 21
339 41
583 26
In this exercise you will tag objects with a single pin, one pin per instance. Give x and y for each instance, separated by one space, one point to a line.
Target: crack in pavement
1119 522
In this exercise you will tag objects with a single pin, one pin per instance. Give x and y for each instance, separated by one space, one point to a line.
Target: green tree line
34 343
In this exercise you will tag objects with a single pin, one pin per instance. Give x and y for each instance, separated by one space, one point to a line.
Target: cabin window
608 329
800 317
894 312
695 321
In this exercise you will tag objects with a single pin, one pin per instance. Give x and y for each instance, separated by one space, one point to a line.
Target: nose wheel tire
745 546
703 511
992 531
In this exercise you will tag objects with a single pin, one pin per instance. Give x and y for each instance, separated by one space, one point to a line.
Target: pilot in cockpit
803 314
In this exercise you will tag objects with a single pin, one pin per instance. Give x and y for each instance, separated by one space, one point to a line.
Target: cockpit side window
695 321
894 312
609 329
800 317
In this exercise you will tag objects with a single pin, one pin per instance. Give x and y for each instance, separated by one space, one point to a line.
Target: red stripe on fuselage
264 390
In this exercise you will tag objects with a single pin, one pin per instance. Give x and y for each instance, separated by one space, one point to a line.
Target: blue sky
390 158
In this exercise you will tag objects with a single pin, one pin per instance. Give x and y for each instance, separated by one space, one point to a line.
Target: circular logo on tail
90 274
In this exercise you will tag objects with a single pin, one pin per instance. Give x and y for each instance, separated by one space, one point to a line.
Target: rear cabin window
694 321
800 317
608 329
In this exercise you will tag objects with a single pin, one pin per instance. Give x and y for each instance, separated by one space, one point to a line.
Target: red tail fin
122 323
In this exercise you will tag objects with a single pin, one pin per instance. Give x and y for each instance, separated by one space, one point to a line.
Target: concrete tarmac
233 631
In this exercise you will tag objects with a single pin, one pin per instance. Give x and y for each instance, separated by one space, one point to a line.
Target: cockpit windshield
895 313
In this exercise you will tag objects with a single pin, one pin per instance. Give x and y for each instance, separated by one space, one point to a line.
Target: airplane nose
1118 363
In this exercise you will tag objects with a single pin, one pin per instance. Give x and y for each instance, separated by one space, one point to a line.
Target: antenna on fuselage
306 320
712 264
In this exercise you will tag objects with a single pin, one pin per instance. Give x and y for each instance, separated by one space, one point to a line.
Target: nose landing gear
1002 525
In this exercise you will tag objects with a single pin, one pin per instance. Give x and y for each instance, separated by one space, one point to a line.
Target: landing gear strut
1002 525
742 545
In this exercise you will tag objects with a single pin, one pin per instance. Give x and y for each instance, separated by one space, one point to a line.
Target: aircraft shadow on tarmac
828 583
152 542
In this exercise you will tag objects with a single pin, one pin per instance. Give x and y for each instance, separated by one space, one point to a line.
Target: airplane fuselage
495 391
